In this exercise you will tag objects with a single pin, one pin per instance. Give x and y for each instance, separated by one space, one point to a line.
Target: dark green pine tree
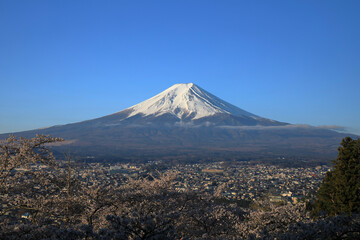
340 189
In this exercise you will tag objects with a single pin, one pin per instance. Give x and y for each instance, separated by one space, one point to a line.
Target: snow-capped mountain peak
186 101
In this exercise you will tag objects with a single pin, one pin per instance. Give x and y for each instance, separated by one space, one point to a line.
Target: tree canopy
340 189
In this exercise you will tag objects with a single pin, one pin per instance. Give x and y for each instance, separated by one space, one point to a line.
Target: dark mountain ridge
186 122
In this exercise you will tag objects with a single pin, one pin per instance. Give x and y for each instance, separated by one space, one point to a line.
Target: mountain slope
185 121
188 103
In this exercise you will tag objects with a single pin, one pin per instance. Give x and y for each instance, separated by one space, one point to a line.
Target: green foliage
340 189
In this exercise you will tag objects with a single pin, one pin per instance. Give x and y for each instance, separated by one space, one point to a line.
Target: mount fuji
188 104
185 122
186 101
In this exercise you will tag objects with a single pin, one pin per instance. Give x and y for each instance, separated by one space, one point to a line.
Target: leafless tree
17 178
23 152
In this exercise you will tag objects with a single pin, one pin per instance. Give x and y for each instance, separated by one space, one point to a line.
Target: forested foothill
43 198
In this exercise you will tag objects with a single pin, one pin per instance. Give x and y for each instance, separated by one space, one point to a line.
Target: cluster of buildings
244 182
237 181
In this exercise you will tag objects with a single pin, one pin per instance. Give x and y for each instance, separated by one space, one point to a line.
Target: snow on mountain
187 122
186 101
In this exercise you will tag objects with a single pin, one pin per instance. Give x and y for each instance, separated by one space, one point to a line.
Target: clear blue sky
67 61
